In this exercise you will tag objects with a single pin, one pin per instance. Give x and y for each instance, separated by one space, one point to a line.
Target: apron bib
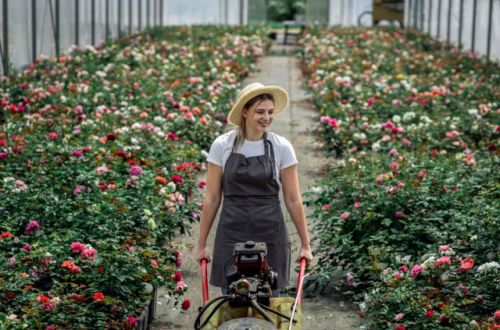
251 210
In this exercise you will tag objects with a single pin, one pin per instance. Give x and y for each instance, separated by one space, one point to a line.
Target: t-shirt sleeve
215 153
288 157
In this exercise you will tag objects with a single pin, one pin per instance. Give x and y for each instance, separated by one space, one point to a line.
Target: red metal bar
302 271
204 280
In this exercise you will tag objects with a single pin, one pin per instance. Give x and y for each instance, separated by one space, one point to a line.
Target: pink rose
53 136
132 320
77 247
31 227
345 215
399 316
417 269
135 171
445 260
443 248
89 253
467 264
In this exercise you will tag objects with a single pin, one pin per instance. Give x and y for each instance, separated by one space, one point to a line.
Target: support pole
92 21
421 7
77 22
5 48
474 26
106 12
139 13
241 12
57 32
461 20
490 11
448 29
129 17
439 19
33 30
120 13
429 26
161 12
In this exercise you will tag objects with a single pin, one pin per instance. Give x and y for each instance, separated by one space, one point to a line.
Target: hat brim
280 101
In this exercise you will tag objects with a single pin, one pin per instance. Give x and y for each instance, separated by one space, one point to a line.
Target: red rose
177 276
429 313
176 179
186 304
400 327
98 296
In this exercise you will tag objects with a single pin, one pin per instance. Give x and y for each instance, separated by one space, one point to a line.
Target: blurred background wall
32 28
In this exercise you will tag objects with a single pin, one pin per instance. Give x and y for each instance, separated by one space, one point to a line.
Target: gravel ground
327 312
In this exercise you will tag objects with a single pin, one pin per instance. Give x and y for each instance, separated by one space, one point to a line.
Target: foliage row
409 210
99 152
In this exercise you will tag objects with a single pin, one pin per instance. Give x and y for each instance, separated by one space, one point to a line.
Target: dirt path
320 313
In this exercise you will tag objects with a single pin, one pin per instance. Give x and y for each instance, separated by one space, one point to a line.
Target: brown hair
241 133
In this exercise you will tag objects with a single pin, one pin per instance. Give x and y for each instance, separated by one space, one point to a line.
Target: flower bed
414 126
99 152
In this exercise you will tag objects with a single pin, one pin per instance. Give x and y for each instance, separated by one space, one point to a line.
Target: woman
245 166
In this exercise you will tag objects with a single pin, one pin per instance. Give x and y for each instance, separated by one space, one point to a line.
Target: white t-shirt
221 148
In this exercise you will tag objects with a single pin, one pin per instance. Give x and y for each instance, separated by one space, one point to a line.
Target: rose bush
99 155
448 291
414 126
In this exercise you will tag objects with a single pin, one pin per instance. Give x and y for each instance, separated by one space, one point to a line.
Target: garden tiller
249 303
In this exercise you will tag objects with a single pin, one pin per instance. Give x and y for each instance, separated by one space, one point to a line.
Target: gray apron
251 210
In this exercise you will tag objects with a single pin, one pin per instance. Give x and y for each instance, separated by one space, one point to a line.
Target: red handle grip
204 280
303 262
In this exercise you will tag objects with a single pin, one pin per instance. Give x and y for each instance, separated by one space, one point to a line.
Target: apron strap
268 145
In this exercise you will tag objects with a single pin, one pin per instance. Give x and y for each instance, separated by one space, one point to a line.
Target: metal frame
33 30
129 17
139 13
161 12
421 14
460 22
415 14
4 50
77 22
92 21
148 13
429 25
241 12
448 29
439 19
120 13
474 14
106 13
488 45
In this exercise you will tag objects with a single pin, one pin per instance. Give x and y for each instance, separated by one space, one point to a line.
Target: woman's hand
202 253
305 252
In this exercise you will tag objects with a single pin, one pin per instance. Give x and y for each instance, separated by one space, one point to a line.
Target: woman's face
259 116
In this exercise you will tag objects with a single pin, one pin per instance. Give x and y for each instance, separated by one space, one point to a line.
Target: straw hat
249 92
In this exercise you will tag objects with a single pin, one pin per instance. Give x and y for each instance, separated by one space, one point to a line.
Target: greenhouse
249 164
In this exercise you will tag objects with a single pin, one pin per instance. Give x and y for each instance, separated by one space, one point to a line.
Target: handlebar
204 280
303 262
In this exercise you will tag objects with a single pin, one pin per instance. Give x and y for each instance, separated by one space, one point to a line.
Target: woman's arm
211 203
293 201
